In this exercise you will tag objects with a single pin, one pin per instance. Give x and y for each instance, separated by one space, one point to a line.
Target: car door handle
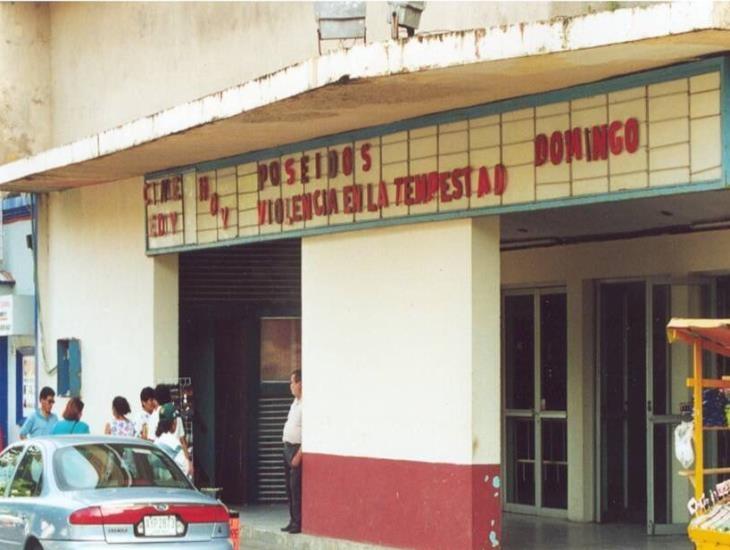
21 519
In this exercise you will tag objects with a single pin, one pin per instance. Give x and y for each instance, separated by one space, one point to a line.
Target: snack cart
710 528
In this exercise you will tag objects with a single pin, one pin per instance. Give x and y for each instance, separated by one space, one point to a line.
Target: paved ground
261 532
552 534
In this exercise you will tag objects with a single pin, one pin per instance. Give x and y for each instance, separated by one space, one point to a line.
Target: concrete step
256 538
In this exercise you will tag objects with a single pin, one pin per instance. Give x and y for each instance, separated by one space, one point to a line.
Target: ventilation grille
270 471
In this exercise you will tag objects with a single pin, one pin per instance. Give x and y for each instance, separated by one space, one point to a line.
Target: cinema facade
477 295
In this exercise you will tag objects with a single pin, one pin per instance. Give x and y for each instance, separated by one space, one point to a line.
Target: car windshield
104 465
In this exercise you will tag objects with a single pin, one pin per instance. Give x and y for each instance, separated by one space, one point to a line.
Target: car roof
58 441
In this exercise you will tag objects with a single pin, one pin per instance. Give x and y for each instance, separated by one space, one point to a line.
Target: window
281 348
28 480
97 466
8 461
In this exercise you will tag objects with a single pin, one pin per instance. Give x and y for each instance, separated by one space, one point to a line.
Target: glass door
622 350
535 401
667 370
641 385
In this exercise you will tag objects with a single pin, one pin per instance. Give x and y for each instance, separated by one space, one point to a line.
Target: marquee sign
639 138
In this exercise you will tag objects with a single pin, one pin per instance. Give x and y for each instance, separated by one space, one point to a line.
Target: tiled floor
519 533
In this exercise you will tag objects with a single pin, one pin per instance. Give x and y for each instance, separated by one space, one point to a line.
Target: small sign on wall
16 315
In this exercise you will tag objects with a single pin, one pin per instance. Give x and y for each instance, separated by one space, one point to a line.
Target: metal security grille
270 471
261 273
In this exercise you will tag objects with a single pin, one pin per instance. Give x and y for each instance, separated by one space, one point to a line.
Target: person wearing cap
292 439
167 440
163 396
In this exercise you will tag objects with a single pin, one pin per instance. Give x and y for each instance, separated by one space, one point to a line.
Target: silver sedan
84 492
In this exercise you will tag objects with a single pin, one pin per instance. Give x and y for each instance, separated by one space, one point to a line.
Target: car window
99 466
8 461
28 480
160 472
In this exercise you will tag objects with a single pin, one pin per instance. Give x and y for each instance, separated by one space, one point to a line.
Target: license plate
160 526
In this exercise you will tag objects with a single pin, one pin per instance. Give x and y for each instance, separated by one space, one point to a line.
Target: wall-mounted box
69 367
340 20
408 14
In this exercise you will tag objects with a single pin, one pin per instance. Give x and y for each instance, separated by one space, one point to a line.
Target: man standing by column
42 421
292 439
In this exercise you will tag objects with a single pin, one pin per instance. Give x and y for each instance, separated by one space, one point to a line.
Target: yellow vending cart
710 526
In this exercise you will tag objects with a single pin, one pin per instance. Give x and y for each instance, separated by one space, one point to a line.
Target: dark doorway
226 297
623 402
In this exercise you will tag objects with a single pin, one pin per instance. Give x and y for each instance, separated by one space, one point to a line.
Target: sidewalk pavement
261 524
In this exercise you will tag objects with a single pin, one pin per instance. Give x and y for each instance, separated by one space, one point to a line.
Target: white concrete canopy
381 83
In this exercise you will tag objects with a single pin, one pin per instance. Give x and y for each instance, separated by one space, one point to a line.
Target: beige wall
453 16
25 95
401 332
96 284
114 62
664 255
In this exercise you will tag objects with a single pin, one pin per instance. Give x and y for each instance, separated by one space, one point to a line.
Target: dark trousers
293 478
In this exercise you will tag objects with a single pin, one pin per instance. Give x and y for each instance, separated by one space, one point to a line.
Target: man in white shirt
149 405
292 439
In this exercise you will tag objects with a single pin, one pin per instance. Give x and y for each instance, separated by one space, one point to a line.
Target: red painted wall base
402 503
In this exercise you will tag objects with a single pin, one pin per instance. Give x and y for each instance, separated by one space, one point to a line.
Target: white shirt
152 422
143 420
155 419
171 445
293 426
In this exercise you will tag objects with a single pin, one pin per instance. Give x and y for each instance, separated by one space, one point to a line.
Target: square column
401 369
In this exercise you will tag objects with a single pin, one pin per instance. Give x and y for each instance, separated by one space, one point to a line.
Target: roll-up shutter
264 273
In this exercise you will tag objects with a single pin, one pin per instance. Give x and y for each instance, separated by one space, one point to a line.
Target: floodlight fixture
405 14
